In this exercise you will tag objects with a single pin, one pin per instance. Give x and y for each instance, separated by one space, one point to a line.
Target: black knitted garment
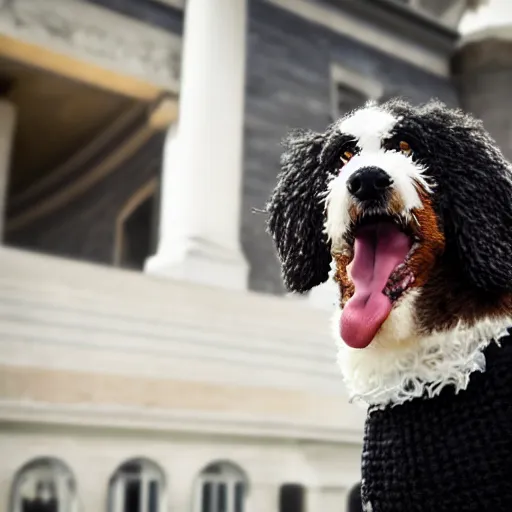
450 453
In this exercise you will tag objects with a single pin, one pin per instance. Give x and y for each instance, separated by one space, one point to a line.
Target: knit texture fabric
450 453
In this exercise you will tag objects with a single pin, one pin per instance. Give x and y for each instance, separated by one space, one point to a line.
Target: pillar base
200 263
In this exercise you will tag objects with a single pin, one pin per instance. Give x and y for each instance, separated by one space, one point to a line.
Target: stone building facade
149 357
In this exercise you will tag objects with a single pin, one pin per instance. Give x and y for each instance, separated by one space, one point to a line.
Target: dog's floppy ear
296 213
479 215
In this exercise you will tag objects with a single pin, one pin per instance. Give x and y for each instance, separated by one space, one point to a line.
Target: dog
409 209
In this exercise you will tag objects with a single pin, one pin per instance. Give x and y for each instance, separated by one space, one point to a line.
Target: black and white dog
412 209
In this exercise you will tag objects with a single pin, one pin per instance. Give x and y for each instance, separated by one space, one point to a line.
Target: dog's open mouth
379 271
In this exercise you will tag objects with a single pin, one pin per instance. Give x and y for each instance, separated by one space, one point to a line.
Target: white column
202 172
7 128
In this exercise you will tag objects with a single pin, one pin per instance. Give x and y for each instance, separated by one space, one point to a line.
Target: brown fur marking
432 241
395 203
423 259
341 277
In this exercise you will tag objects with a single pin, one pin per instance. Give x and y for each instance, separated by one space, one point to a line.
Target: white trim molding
501 33
363 84
493 20
158 420
95 35
449 17
100 328
350 26
373 89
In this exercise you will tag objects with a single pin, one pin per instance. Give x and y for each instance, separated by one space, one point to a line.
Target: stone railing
93 345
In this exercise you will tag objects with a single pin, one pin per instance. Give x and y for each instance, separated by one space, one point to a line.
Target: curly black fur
295 210
296 214
473 196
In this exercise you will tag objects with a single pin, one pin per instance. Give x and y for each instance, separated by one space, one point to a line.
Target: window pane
110 505
132 496
213 469
355 501
131 468
221 498
136 236
349 99
291 498
206 498
42 501
239 497
153 496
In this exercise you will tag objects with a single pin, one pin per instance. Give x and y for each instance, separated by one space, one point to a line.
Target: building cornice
421 41
164 421
371 31
497 33
91 35
493 21
408 21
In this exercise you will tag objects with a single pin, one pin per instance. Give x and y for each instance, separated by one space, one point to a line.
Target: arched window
222 487
138 485
44 485
291 498
354 501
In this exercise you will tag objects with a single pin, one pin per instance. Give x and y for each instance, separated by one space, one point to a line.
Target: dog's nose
369 183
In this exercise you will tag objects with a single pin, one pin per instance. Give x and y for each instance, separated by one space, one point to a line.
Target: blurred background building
149 358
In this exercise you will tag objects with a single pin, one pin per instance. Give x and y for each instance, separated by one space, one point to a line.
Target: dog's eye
405 148
346 156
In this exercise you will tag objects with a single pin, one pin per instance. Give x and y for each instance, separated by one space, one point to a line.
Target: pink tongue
378 250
